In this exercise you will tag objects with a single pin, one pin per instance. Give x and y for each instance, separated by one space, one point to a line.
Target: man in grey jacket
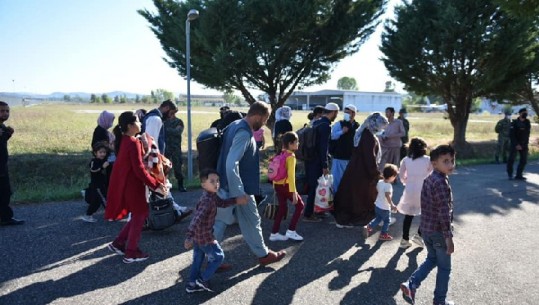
239 171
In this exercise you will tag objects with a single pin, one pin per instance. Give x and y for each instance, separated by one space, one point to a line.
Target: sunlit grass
50 149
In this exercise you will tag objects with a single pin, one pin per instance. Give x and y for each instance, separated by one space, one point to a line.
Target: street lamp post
192 15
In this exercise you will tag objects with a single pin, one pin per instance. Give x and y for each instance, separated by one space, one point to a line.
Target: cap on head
522 110
351 108
331 107
403 110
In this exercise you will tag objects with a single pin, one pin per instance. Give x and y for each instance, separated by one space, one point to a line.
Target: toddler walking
200 232
384 203
413 171
436 228
96 193
285 190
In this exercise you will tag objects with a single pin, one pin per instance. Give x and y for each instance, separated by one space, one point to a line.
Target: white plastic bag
323 201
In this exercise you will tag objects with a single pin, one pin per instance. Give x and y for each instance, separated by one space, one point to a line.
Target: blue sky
101 45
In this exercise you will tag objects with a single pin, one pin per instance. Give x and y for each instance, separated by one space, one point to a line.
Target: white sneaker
277 237
88 218
405 244
418 240
293 235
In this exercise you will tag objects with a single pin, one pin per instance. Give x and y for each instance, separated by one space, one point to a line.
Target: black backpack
307 143
209 147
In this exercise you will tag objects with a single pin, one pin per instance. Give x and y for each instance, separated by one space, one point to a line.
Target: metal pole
188 68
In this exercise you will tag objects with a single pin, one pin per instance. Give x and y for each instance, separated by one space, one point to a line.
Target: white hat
332 107
351 107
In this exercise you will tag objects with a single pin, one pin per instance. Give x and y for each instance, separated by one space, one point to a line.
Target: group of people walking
365 161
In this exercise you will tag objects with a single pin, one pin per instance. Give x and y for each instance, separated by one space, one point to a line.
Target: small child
436 228
286 190
384 204
97 190
413 171
200 232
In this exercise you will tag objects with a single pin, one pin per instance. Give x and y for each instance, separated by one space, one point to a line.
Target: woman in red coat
127 192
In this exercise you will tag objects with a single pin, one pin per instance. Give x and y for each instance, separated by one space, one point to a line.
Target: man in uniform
502 129
6 213
520 136
173 149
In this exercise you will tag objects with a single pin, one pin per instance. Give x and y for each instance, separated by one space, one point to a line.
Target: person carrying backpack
318 164
285 189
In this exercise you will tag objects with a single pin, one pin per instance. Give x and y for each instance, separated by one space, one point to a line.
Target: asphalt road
57 259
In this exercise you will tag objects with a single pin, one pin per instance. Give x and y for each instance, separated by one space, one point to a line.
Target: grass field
50 149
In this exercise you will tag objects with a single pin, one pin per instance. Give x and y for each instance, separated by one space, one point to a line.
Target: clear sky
105 45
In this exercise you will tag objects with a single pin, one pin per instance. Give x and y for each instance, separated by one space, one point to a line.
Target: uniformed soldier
502 129
173 149
520 137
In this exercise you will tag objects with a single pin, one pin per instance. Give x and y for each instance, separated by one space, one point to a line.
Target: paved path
57 259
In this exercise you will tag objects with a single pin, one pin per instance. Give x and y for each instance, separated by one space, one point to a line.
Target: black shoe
182 189
12 222
520 178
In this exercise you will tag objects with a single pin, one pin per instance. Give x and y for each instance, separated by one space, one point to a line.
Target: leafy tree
347 83
458 50
106 99
67 98
93 98
137 99
390 86
116 99
146 99
275 46
160 95
521 8
232 99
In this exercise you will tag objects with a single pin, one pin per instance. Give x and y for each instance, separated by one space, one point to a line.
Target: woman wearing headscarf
354 200
101 132
282 125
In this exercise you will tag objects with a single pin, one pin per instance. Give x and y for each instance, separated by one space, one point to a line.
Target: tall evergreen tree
458 50
347 83
274 46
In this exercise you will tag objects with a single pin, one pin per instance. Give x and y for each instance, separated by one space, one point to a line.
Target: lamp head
192 15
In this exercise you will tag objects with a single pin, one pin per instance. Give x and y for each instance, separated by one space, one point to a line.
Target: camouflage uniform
173 149
502 148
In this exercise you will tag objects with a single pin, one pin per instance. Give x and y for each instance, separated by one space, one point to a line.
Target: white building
364 101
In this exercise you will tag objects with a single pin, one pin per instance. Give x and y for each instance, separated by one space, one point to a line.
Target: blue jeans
381 215
215 257
436 257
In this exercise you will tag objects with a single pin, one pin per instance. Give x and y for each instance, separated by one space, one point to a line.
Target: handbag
271 208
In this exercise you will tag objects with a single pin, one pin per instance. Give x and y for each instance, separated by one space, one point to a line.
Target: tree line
457 50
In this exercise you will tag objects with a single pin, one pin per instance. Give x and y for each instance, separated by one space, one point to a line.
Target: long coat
354 200
127 191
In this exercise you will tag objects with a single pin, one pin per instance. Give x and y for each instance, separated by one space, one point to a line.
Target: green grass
50 149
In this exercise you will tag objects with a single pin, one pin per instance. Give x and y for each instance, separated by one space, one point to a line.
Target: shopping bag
323 201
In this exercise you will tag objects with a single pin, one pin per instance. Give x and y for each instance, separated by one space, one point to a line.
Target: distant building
364 101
